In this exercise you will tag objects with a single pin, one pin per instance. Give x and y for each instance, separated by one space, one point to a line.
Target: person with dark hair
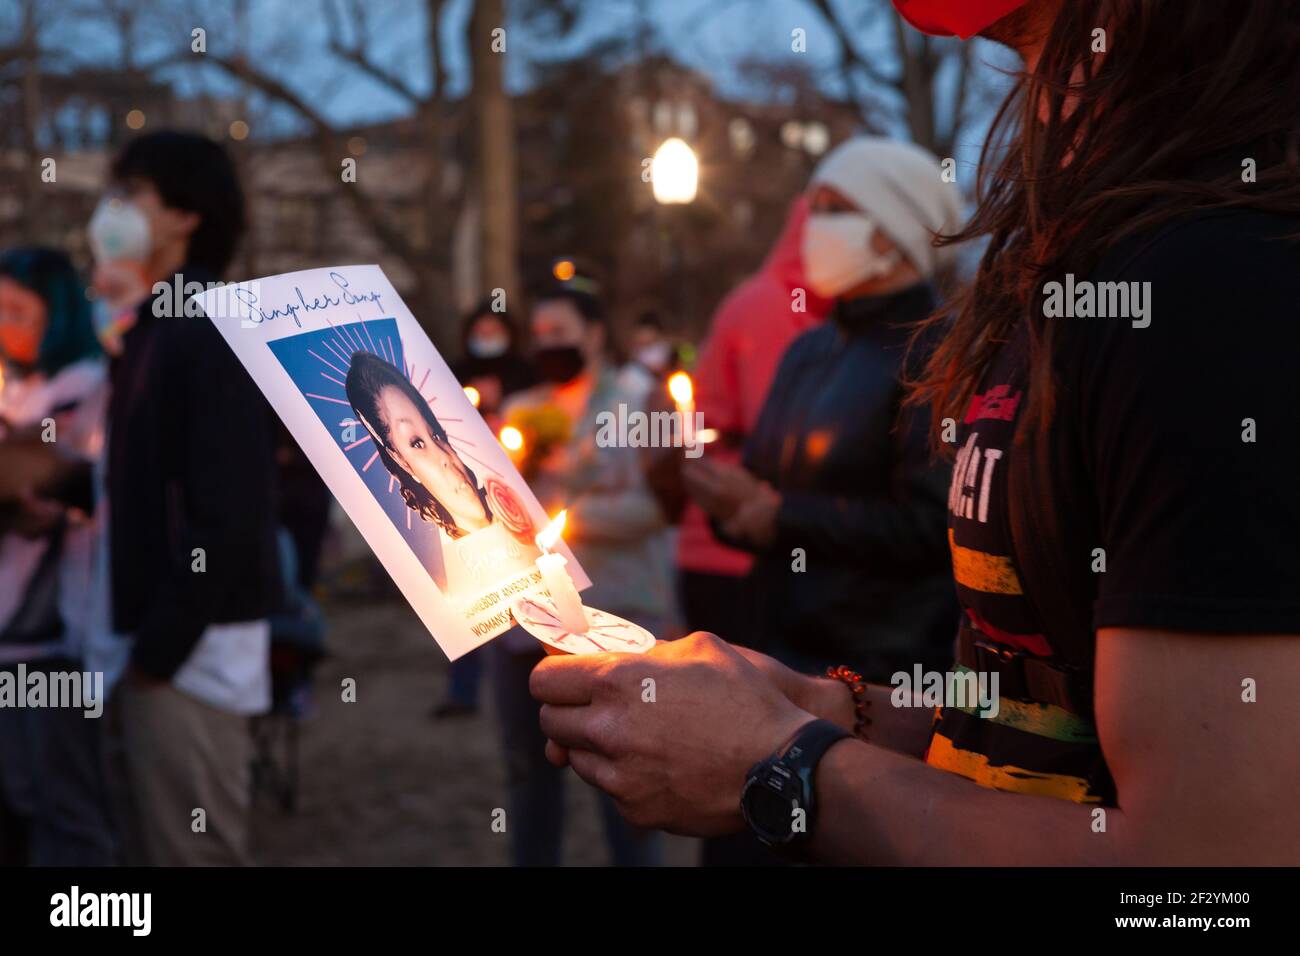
494 369
190 481
492 362
186 184
1119 387
413 446
651 346
616 530
52 396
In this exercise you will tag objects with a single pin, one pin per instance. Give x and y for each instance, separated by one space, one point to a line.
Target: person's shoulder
813 342
758 299
1192 280
1212 290
1215 247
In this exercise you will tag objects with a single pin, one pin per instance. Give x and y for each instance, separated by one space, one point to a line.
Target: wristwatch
778 801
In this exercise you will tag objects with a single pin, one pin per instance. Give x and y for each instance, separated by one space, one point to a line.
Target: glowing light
564 270
238 130
707 435
550 535
474 398
675 172
681 388
135 119
512 439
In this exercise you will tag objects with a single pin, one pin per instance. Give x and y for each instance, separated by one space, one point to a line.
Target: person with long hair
1118 386
413 446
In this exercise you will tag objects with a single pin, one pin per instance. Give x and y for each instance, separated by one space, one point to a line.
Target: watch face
769 807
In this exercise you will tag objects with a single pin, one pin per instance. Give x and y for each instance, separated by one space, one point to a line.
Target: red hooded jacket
747 336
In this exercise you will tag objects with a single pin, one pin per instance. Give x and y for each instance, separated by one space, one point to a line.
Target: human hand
720 488
669 734
755 521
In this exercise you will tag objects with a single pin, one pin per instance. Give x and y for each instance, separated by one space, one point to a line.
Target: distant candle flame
511 438
707 435
472 394
681 388
551 533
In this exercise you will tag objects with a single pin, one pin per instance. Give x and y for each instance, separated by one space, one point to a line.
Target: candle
682 390
568 605
512 440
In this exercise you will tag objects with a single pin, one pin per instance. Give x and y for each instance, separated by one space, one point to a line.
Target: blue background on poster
318 361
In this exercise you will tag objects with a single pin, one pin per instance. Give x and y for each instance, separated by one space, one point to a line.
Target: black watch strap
811 741
778 788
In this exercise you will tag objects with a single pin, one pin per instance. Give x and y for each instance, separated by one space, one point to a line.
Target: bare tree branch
329 151
355 55
849 56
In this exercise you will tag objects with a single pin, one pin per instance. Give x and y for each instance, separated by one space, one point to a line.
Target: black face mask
559 364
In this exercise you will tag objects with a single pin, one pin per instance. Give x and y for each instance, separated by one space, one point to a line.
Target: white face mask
655 356
119 230
837 253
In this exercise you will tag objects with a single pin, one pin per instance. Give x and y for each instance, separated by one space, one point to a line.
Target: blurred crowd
135 451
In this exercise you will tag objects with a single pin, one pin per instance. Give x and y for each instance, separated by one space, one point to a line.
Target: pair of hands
671 734
745 506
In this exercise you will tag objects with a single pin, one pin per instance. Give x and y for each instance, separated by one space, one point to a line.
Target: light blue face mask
488 348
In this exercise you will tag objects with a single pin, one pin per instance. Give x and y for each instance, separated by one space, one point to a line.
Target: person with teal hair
52 407
45 316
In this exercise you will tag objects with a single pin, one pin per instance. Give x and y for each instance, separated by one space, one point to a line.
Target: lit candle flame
511 438
681 388
551 533
472 394
707 435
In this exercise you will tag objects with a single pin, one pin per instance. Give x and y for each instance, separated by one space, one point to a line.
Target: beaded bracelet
861 704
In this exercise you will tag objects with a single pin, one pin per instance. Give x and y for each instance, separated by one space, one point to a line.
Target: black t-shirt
1165 495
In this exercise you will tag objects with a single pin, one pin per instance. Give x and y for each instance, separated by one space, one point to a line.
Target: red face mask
965 18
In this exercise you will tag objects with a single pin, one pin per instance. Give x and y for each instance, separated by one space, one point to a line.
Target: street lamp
675 176
675 172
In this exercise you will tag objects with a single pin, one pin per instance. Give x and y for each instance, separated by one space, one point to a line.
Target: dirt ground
382 783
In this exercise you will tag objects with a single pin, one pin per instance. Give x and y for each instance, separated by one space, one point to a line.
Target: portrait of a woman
414 447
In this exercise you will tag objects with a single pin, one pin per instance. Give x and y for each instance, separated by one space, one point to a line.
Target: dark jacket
861 497
190 464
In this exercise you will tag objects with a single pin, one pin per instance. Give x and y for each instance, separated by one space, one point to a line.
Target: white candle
682 390
568 605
